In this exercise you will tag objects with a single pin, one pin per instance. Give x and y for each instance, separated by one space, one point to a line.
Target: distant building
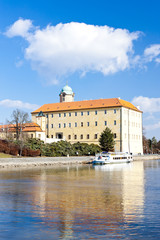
31 130
84 121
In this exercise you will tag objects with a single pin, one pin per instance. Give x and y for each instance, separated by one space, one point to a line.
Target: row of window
82 136
75 113
132 113
133 136
75 124
133 124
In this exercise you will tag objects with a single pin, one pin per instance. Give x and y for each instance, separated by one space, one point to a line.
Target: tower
66 94
41 120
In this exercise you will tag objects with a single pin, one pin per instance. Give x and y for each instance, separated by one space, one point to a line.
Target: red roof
26 127
87 104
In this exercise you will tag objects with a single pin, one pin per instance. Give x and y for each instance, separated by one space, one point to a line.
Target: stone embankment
52 161
41 161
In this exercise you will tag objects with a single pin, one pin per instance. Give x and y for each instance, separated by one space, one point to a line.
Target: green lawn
3 155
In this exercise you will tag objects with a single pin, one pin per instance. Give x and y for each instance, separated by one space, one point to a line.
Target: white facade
131 131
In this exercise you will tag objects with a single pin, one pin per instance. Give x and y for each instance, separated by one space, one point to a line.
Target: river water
83 202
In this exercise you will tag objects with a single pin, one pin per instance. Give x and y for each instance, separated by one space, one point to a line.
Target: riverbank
52 161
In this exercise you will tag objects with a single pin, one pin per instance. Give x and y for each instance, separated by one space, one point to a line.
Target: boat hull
97 162
108 158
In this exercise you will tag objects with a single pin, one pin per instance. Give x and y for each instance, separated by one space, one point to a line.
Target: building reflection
98 196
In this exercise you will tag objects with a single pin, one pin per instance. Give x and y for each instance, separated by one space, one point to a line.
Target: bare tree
18 119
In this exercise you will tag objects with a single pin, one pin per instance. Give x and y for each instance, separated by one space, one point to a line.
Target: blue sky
103 49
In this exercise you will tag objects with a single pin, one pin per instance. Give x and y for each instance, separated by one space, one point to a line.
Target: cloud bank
152 53
64 49
151 108
18 104
147 105
151 127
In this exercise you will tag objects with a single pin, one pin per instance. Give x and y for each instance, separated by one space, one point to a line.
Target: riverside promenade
57 161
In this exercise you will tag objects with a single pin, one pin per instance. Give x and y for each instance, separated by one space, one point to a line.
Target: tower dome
66 89
66 94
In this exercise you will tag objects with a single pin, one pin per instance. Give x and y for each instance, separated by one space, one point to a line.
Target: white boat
112 157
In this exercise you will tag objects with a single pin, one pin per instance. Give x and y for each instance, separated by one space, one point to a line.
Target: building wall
132 131
64 122
128 127
66 97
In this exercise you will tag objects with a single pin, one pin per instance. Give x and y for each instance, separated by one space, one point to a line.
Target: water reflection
111 195
76 202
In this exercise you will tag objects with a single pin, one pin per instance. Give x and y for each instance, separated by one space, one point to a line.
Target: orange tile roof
26 127
87 104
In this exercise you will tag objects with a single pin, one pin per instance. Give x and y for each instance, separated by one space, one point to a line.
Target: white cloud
151 53
61 50
147 105
151 110
19 28
18 104
151 127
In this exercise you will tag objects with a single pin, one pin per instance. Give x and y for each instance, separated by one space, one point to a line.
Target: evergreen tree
106 140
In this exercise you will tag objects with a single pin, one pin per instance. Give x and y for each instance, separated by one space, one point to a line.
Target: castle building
84 121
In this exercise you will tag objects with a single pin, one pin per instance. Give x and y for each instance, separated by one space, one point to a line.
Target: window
64 125
88 113
75 136
76 114
51 125
87 136
75 124
63 99
46 125
14 135
81 113
105 111
81 124
69 136
46 115
51 136
95 136
114 110
115 136
52 115
39 136
69 124
69 114
87 124
31 135
95 112
64 114
81 136
96 123
114 122
59 125
105 123
59 114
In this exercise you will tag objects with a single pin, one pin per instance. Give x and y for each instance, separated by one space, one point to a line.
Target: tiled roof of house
31 127
26 127
87 104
